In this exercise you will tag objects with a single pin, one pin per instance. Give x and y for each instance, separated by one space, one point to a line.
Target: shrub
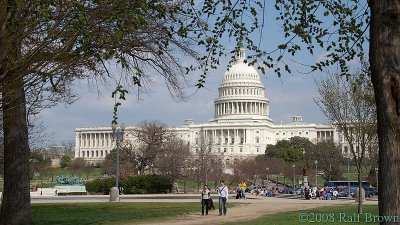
100 185
143 184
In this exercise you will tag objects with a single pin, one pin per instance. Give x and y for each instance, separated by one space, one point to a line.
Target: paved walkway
250 209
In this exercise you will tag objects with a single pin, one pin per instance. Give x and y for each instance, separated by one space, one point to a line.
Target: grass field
336 215
106 213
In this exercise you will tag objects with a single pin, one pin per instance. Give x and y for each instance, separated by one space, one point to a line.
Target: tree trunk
360 197
385 73
16 207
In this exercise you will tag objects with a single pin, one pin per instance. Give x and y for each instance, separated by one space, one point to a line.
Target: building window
258 149
232 140
197 141
241 140
257 140
241 149
231 149
224 149
283 133
277 133
306 132
226 140
299 133
257 131
83 154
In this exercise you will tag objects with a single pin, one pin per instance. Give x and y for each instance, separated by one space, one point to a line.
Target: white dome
241 94
240 71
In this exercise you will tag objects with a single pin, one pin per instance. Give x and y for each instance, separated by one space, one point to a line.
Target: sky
289 95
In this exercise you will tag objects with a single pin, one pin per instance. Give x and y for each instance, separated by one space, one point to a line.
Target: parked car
375 190
286 190
345 192
299 191
369 192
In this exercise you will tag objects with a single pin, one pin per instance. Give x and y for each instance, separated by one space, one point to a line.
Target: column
77 144
261 109
229 138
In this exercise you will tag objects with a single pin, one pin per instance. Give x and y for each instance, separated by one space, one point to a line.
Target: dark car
369 192
287 190
345 192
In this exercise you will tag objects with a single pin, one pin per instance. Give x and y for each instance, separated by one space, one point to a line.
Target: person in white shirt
222 197
335 194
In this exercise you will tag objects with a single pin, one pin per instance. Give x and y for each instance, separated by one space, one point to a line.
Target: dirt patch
251 210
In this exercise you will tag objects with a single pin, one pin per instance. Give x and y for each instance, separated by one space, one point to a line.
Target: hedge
141 184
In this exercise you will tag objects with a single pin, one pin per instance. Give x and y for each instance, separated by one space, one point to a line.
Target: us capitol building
241 126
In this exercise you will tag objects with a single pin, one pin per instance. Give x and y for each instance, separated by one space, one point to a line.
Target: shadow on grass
106 213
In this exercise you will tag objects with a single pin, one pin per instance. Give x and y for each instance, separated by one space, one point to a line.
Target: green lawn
335 215
106 213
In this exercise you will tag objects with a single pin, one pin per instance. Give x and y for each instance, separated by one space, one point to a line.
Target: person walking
222 197
244 187
205 198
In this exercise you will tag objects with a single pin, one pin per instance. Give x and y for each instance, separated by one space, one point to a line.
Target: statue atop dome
241 55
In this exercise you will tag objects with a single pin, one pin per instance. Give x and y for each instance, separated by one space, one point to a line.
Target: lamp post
118 136
376 177
316 173
294 167
267 169
348 172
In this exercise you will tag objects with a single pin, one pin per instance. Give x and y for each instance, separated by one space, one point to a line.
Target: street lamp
294 167
376 177
267 169
348 172
316 173
118 136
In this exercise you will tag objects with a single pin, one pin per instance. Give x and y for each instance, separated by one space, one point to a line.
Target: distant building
241 125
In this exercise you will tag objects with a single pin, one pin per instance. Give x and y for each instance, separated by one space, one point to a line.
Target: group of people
241 190
207 202
323 194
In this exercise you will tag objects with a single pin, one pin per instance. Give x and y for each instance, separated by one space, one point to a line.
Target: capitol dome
241 94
